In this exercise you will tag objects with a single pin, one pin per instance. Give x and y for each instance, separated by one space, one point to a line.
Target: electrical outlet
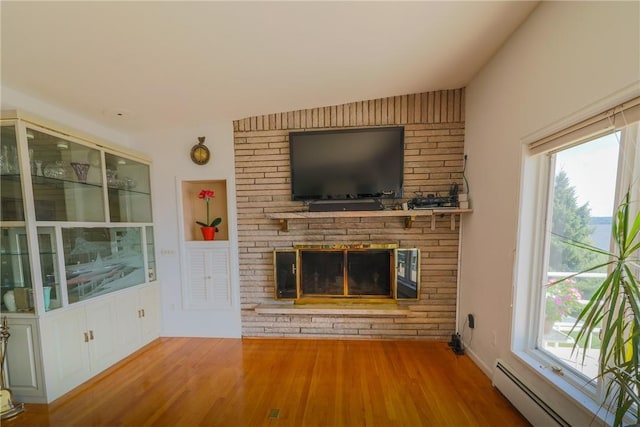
472 321
493 338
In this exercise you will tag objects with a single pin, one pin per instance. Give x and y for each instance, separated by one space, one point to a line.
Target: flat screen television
347 164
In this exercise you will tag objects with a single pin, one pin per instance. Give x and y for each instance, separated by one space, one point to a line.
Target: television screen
347 164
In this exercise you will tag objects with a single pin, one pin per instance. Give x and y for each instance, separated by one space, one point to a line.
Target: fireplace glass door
369 273
347 273
322 273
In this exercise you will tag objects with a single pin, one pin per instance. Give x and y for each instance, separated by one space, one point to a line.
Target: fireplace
348 273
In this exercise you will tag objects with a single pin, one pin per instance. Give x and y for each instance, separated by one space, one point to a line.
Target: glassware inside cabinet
151 255
11 200
52 291
129 189
66 178
102 260
15 271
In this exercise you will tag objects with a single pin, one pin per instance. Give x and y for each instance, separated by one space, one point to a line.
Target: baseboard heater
530 405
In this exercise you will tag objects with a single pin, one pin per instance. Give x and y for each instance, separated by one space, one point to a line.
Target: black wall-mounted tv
347 164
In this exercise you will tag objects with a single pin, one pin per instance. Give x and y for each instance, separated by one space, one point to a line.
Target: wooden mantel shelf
409 215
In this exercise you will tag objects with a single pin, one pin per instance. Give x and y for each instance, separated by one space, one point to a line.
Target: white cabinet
127 323
101 334
137 318
23 358
150 314
75 344
75 218
78 255
78 343
207 283
67 355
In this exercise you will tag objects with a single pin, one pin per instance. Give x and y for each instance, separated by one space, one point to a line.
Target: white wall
169 151
568 60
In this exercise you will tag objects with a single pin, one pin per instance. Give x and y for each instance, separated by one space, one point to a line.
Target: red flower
206 194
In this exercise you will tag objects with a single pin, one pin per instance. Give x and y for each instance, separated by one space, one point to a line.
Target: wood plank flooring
283 382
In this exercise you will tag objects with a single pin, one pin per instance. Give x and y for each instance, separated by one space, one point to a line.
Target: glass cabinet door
66 178
101 260
151 254
129 189
16 285
49 268
11 201
90 232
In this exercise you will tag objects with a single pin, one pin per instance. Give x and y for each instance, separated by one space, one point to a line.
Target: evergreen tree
570 222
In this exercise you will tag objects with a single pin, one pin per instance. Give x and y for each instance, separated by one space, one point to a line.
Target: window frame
538 171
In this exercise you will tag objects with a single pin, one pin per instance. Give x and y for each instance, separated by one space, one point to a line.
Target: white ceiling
175 64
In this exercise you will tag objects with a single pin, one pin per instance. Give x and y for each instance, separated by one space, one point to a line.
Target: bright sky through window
593 182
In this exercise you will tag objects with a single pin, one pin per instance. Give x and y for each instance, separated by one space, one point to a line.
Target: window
581 205
573 181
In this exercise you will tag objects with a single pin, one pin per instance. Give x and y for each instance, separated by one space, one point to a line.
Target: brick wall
434 143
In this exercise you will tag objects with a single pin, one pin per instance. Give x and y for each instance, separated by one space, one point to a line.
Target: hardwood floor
278 382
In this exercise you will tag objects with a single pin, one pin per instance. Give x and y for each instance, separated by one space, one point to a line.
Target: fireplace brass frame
294 269
349 246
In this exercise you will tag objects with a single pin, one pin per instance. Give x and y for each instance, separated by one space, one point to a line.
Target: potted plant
208 228
615 306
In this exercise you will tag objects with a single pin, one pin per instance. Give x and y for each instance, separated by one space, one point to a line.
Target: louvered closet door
208 283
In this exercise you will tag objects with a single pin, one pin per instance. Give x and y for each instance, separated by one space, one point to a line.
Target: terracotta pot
208 233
